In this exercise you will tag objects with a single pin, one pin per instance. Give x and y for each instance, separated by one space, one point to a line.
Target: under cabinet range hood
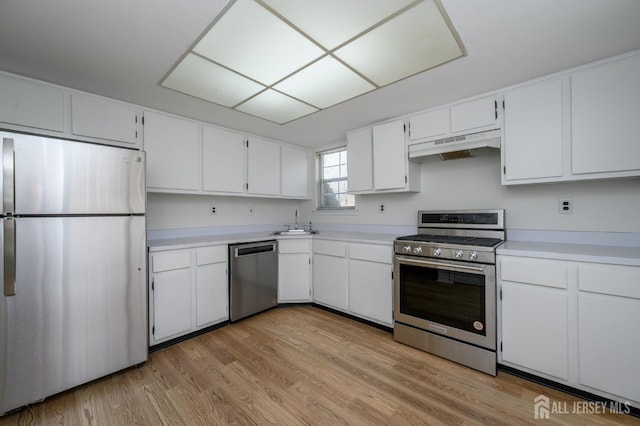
455 147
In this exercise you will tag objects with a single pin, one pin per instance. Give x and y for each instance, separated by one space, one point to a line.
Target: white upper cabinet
103 119
31 105
605 112
377 160
579 125
473 116
263 173
223 161
390 156
295 164
173 153
533 132
429 125
360 160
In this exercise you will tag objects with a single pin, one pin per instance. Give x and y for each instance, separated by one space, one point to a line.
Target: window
333 180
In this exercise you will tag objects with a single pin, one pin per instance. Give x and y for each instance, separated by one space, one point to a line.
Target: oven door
454 299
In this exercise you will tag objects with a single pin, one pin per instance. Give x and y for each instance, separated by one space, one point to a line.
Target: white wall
171 211
611 205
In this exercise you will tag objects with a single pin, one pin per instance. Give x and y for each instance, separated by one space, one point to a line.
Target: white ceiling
123 48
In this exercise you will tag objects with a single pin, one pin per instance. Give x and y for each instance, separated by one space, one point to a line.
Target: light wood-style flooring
301 365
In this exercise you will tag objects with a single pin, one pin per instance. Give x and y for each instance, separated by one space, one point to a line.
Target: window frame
321 180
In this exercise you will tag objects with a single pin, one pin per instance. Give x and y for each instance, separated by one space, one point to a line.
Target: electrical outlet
212 209
566 206
381 208
251 211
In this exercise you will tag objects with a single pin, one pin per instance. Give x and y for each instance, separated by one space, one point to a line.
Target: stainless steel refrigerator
73 236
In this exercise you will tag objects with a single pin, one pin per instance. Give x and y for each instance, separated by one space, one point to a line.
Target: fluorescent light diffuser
412 42
275 107
203 79
332 22
284 59
325 83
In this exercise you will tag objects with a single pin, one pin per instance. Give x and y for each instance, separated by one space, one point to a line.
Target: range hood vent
446 146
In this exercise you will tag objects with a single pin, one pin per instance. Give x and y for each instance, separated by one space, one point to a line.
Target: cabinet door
31 105
211 295
263 167
294 277
389 156
477 115
360 160
535 328
223 161
294 172
371 290
171 303
605 101
533 131
330 281
431 124
103 119
173 152
609 344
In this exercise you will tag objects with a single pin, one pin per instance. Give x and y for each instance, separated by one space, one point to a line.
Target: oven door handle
459 268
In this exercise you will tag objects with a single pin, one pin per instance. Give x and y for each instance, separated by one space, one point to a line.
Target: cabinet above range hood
455 147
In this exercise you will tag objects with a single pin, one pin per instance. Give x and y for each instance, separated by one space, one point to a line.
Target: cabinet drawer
371 252
534 271
616 280
169 260
214 254
330 248
294 246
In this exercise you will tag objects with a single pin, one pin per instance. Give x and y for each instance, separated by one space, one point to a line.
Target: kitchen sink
295 232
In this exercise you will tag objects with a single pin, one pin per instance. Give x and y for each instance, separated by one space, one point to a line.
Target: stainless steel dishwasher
253 281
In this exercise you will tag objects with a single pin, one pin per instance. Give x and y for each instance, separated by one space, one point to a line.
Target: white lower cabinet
354 278
294 270
572 322
370 282
534 328
187 291
608 337
535 315
330 274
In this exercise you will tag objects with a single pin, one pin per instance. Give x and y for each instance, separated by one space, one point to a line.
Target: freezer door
80 306
59 177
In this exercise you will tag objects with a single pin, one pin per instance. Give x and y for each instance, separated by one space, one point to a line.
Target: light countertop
617 255
207 240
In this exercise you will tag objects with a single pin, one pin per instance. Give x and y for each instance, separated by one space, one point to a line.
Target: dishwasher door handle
250 249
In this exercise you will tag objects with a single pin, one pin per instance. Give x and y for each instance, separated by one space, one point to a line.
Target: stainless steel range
445 286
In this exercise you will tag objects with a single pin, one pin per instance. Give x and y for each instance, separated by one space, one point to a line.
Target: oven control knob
417 250
458 254
406 249
437 252
473 255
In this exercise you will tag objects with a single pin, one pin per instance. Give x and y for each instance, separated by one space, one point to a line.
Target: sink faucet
296 217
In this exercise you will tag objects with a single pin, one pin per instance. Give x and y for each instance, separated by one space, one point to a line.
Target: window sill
335 212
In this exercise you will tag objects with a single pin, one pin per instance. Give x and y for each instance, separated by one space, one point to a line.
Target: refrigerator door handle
8 185
9 236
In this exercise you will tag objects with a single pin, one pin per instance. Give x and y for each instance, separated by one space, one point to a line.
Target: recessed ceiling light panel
276 107
256 43
332 22
284 59
203 79
410 43
325 83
